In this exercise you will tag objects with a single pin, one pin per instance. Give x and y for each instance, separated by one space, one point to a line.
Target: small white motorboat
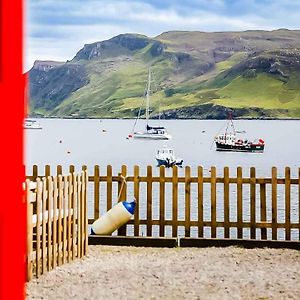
166 157
31 124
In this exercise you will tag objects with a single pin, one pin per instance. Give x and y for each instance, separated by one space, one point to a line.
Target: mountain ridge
236 70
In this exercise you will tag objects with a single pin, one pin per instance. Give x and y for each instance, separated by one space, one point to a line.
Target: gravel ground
111 272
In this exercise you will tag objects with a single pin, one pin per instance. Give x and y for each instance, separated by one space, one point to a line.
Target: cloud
57 29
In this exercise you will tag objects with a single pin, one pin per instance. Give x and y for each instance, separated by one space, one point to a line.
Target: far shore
179 119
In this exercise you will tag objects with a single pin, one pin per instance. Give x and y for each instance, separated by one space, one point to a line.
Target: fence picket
97 192
47 171
175 202
239 203
149 201
44 224
162 201
59 221
74 205
65 191
274 203
137 198
78 204
35 172
55 247
263 210
58 170
29 230
226 202
122 192
287 203
49 222
213 191
109 188
70 213
200 201
38 226
252 203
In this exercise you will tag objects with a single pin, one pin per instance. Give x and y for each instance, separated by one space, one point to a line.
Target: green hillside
195 75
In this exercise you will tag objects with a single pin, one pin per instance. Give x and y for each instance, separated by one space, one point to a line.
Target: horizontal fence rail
56 221
187 203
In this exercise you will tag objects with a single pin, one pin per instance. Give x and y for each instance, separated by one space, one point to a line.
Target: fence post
38 225
226 202
96 191
213 192
49 227
70 214
86 213
149 200
274 203
200 201
78 215
252 203
47 171
109 187
240 202
175 202
122 192
137 198
65 192
60 199
74 205
56 233
162 201
263 210
44 223
287 203
58 170
187 183
35 172
29 230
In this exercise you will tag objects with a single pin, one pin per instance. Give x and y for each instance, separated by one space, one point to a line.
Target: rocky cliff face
123 44
51 83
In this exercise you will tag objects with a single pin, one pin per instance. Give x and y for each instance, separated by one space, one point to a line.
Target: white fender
117 216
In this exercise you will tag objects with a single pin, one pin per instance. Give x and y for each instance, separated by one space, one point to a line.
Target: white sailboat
151 132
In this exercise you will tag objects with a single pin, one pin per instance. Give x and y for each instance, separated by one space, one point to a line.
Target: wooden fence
213 206
56 221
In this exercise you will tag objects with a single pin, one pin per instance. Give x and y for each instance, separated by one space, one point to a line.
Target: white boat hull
151 136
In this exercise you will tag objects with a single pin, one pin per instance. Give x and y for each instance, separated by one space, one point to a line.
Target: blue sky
57 29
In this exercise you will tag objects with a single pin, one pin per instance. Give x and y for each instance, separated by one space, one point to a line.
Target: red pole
12 207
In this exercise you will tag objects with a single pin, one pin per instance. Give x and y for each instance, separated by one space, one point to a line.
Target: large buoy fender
117 216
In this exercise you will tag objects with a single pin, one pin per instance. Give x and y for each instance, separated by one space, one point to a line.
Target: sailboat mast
148 97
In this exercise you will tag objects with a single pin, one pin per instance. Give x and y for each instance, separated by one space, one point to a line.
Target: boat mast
148 98
230 122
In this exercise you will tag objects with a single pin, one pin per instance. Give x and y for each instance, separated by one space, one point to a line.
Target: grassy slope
119 92
264 91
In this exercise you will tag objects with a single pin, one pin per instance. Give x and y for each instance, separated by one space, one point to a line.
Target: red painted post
12 205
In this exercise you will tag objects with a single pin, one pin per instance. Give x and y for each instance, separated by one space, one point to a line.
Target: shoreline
178 119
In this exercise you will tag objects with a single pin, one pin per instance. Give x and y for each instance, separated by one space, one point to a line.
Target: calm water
104 142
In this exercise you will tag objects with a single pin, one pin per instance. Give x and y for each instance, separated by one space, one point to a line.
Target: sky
58 29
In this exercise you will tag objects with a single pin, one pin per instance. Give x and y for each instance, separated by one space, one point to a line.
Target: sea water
104 142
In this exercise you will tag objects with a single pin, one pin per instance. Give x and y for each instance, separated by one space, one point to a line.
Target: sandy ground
111 272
